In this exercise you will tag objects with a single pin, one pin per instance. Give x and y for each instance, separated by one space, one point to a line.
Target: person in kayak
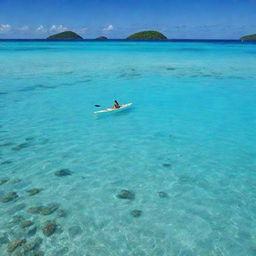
116 105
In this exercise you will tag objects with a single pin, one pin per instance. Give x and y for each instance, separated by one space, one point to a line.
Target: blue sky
205 19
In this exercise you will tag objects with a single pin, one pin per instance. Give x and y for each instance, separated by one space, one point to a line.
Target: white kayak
113 109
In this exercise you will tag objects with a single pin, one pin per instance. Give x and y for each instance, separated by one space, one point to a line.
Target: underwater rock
126 194
74 231
49 228
6 162
4 239
17 219
184 179
167 165
29 138
16 181
63 172
20 146
27 89
61 251
46 86
35 209
26 224
83 81
61 213
3 181
32 231
31 246
40 253
6 144
9 197
47 210
163 194
16 208
136 213
129 75
34 191
15 244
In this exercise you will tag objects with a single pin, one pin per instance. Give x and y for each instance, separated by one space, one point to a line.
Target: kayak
113 109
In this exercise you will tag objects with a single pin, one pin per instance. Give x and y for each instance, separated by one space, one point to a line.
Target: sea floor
172 175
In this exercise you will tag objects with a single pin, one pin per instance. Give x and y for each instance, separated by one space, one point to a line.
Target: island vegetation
147 35
68 35
249 37
102 38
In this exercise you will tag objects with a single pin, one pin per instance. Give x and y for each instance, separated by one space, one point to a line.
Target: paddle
98 106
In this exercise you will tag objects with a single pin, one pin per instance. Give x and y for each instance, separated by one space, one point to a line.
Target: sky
117 19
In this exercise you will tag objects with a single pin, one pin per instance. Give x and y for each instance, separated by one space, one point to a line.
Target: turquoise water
190 134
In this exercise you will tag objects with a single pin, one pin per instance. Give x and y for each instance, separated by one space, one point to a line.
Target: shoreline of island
148 36
127 41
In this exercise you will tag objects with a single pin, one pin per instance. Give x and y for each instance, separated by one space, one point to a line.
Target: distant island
147 35
65 35
249 37
102 38
143 35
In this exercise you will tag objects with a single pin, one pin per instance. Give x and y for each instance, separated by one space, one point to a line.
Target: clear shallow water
190 133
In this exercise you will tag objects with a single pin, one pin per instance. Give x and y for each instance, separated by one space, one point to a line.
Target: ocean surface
189 135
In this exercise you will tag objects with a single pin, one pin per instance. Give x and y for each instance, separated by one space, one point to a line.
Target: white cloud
4 28
108 28
24 28
41 29
82 30
51 29
57 28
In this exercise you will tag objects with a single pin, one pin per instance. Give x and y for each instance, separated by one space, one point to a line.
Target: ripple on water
143 191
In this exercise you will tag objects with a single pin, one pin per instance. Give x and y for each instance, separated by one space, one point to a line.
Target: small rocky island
249 37
66 35
101 38
148 35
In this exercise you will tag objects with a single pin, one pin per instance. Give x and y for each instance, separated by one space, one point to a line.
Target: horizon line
125 39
